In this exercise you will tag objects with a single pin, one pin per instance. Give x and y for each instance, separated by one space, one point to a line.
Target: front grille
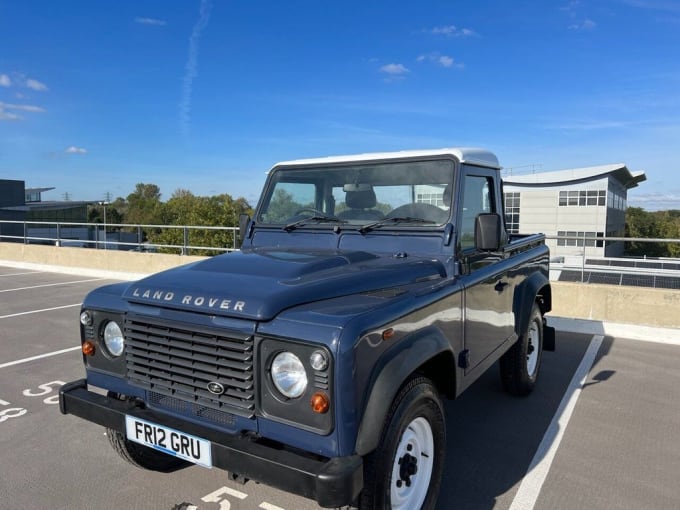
179 360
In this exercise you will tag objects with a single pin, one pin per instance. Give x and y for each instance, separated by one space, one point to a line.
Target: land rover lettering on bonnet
209 302
368 289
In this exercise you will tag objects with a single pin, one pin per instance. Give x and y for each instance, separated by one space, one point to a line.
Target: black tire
142 456
521 364
416 410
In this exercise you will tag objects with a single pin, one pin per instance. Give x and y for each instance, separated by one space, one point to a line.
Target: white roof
471 155
618 171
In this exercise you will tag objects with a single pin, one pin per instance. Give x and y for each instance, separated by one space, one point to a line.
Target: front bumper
331 482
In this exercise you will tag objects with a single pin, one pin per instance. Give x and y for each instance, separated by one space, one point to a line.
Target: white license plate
170 441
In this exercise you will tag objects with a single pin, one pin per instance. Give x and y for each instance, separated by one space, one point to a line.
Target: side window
476 199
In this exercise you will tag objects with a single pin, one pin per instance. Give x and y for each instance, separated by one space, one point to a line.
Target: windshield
411 192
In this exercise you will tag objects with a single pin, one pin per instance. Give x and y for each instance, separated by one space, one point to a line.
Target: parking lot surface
601 431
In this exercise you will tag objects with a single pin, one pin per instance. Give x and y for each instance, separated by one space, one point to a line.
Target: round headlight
113 338
288 375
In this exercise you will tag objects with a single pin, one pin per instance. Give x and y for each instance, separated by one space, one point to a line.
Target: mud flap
548 338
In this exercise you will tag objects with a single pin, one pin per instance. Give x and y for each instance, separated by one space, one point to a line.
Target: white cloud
149 21
452 31
394 69
75 150
655 201
36 85
7 110
5 81
586 24
440 60
8 115
26 108
445 61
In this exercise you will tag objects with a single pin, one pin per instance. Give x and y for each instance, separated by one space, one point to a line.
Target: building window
512 212
32 196
582 198
431 198
579 238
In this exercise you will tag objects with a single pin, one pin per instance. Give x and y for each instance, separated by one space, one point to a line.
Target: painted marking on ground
269 506
39 356
19 274
38 311
531 485
53 284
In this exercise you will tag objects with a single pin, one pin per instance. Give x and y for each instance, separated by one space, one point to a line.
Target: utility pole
104 204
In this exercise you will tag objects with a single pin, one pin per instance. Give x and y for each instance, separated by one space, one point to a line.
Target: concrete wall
625 305
116 264
621 304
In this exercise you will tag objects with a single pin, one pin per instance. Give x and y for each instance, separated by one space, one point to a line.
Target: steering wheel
316 212
420 210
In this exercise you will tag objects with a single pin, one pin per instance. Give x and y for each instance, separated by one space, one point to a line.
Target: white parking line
531 485
269 506
38 311
19 274
40 356
53 285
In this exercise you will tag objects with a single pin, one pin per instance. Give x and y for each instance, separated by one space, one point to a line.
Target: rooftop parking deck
602 430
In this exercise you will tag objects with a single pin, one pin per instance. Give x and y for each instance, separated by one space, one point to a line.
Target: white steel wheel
533 339
412 467
404 472
520 365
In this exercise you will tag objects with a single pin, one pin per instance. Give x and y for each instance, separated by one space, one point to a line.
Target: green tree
144 205
186 209
669 228
641 224
282 207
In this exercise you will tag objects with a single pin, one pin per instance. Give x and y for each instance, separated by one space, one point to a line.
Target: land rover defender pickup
368 289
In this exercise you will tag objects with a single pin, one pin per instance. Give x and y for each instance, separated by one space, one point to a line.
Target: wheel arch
535 289
429 355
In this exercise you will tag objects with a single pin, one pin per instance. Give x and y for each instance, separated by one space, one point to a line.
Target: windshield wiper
316 219
392 221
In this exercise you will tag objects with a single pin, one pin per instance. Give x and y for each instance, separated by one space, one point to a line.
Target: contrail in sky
191 67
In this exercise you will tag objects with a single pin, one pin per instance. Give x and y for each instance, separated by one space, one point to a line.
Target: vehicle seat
360 206
448 195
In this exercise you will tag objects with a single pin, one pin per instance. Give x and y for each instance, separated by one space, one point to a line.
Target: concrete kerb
81 271
668 336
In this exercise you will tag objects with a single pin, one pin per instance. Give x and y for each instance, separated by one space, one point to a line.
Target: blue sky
96 96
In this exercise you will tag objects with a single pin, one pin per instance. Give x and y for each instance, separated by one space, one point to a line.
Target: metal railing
585 264
588 264
182 239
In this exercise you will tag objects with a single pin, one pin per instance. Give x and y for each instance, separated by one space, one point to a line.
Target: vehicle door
488 317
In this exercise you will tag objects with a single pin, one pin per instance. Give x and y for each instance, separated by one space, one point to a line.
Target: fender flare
525 296
395 366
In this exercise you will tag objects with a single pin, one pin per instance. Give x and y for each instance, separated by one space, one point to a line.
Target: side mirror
243 222
488 232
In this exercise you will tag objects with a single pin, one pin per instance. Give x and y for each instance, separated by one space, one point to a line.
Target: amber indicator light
388 334
88 348
320 403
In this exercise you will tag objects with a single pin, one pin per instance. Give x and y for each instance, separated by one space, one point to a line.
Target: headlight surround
113 338
289 375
